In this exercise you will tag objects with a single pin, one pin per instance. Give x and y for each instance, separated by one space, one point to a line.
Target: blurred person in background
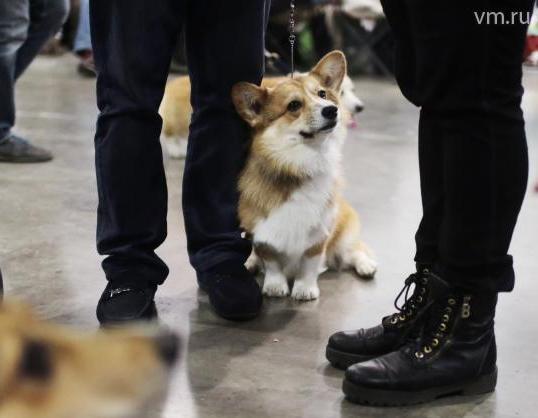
25 26
83 42
133 43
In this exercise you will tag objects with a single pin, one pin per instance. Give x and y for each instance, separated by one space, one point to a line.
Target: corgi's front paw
276 288
305 291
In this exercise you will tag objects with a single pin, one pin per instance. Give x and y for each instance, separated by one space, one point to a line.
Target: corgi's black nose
168 347
329 112
359 108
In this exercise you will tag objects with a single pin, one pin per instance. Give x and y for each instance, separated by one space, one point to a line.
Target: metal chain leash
292 36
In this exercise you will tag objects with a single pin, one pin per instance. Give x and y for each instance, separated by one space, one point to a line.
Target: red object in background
531 46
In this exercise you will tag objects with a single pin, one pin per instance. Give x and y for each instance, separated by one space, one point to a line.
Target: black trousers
464 70
133 43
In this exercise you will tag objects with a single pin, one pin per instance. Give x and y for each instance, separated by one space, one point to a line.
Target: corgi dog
290 202
47 371
176 110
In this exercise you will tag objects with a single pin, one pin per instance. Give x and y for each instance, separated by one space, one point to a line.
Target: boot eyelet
427 349
419 354
451 301
446 317
419 299
424 280
423 290
435 342
394 320
448 310
401 317
442 327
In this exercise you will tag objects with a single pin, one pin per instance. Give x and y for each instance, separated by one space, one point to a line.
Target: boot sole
342 360
378 397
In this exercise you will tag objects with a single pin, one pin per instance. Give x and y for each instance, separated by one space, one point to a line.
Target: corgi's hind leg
361 260
347 252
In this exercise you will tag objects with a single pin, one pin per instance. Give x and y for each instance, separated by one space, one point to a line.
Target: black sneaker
15 149
233 292
124 303
454 355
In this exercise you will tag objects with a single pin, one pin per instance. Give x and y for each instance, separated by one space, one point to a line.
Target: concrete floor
273 366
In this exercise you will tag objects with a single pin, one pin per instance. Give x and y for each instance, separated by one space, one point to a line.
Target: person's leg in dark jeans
473 164
25 26
225 45
133 46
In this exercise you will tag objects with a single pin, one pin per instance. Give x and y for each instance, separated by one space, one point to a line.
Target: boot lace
437 330
411 304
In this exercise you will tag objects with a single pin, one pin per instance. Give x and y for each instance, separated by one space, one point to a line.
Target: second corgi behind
290 190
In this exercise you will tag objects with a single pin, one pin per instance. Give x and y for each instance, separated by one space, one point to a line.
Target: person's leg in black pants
133 44
473 153
225 45
473 166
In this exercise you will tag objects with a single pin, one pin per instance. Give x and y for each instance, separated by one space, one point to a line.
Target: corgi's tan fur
290 189
47 371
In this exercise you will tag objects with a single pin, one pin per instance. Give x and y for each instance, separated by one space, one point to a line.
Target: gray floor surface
273 366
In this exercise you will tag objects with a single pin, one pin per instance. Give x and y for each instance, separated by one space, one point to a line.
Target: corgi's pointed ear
249 100
331 70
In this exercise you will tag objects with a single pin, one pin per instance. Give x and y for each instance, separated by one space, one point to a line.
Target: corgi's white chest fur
307 217
304 220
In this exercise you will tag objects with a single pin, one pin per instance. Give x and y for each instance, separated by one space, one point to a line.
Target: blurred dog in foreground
47 371
291 203
176 110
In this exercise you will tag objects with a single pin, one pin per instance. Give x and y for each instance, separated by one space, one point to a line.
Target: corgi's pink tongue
353 124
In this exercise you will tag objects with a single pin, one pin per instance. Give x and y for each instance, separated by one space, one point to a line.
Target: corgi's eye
294 106
322 94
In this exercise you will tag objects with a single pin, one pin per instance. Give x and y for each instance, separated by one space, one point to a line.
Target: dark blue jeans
133 43
466 77
25 25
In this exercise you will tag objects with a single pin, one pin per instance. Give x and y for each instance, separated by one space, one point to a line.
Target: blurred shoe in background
86 65
15 149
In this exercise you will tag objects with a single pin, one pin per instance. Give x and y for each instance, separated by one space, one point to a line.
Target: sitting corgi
290 189
176 110
47 371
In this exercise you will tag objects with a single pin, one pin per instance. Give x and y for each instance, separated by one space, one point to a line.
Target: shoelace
408 308
443 316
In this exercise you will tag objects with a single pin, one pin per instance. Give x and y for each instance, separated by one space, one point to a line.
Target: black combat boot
349 347
455 354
